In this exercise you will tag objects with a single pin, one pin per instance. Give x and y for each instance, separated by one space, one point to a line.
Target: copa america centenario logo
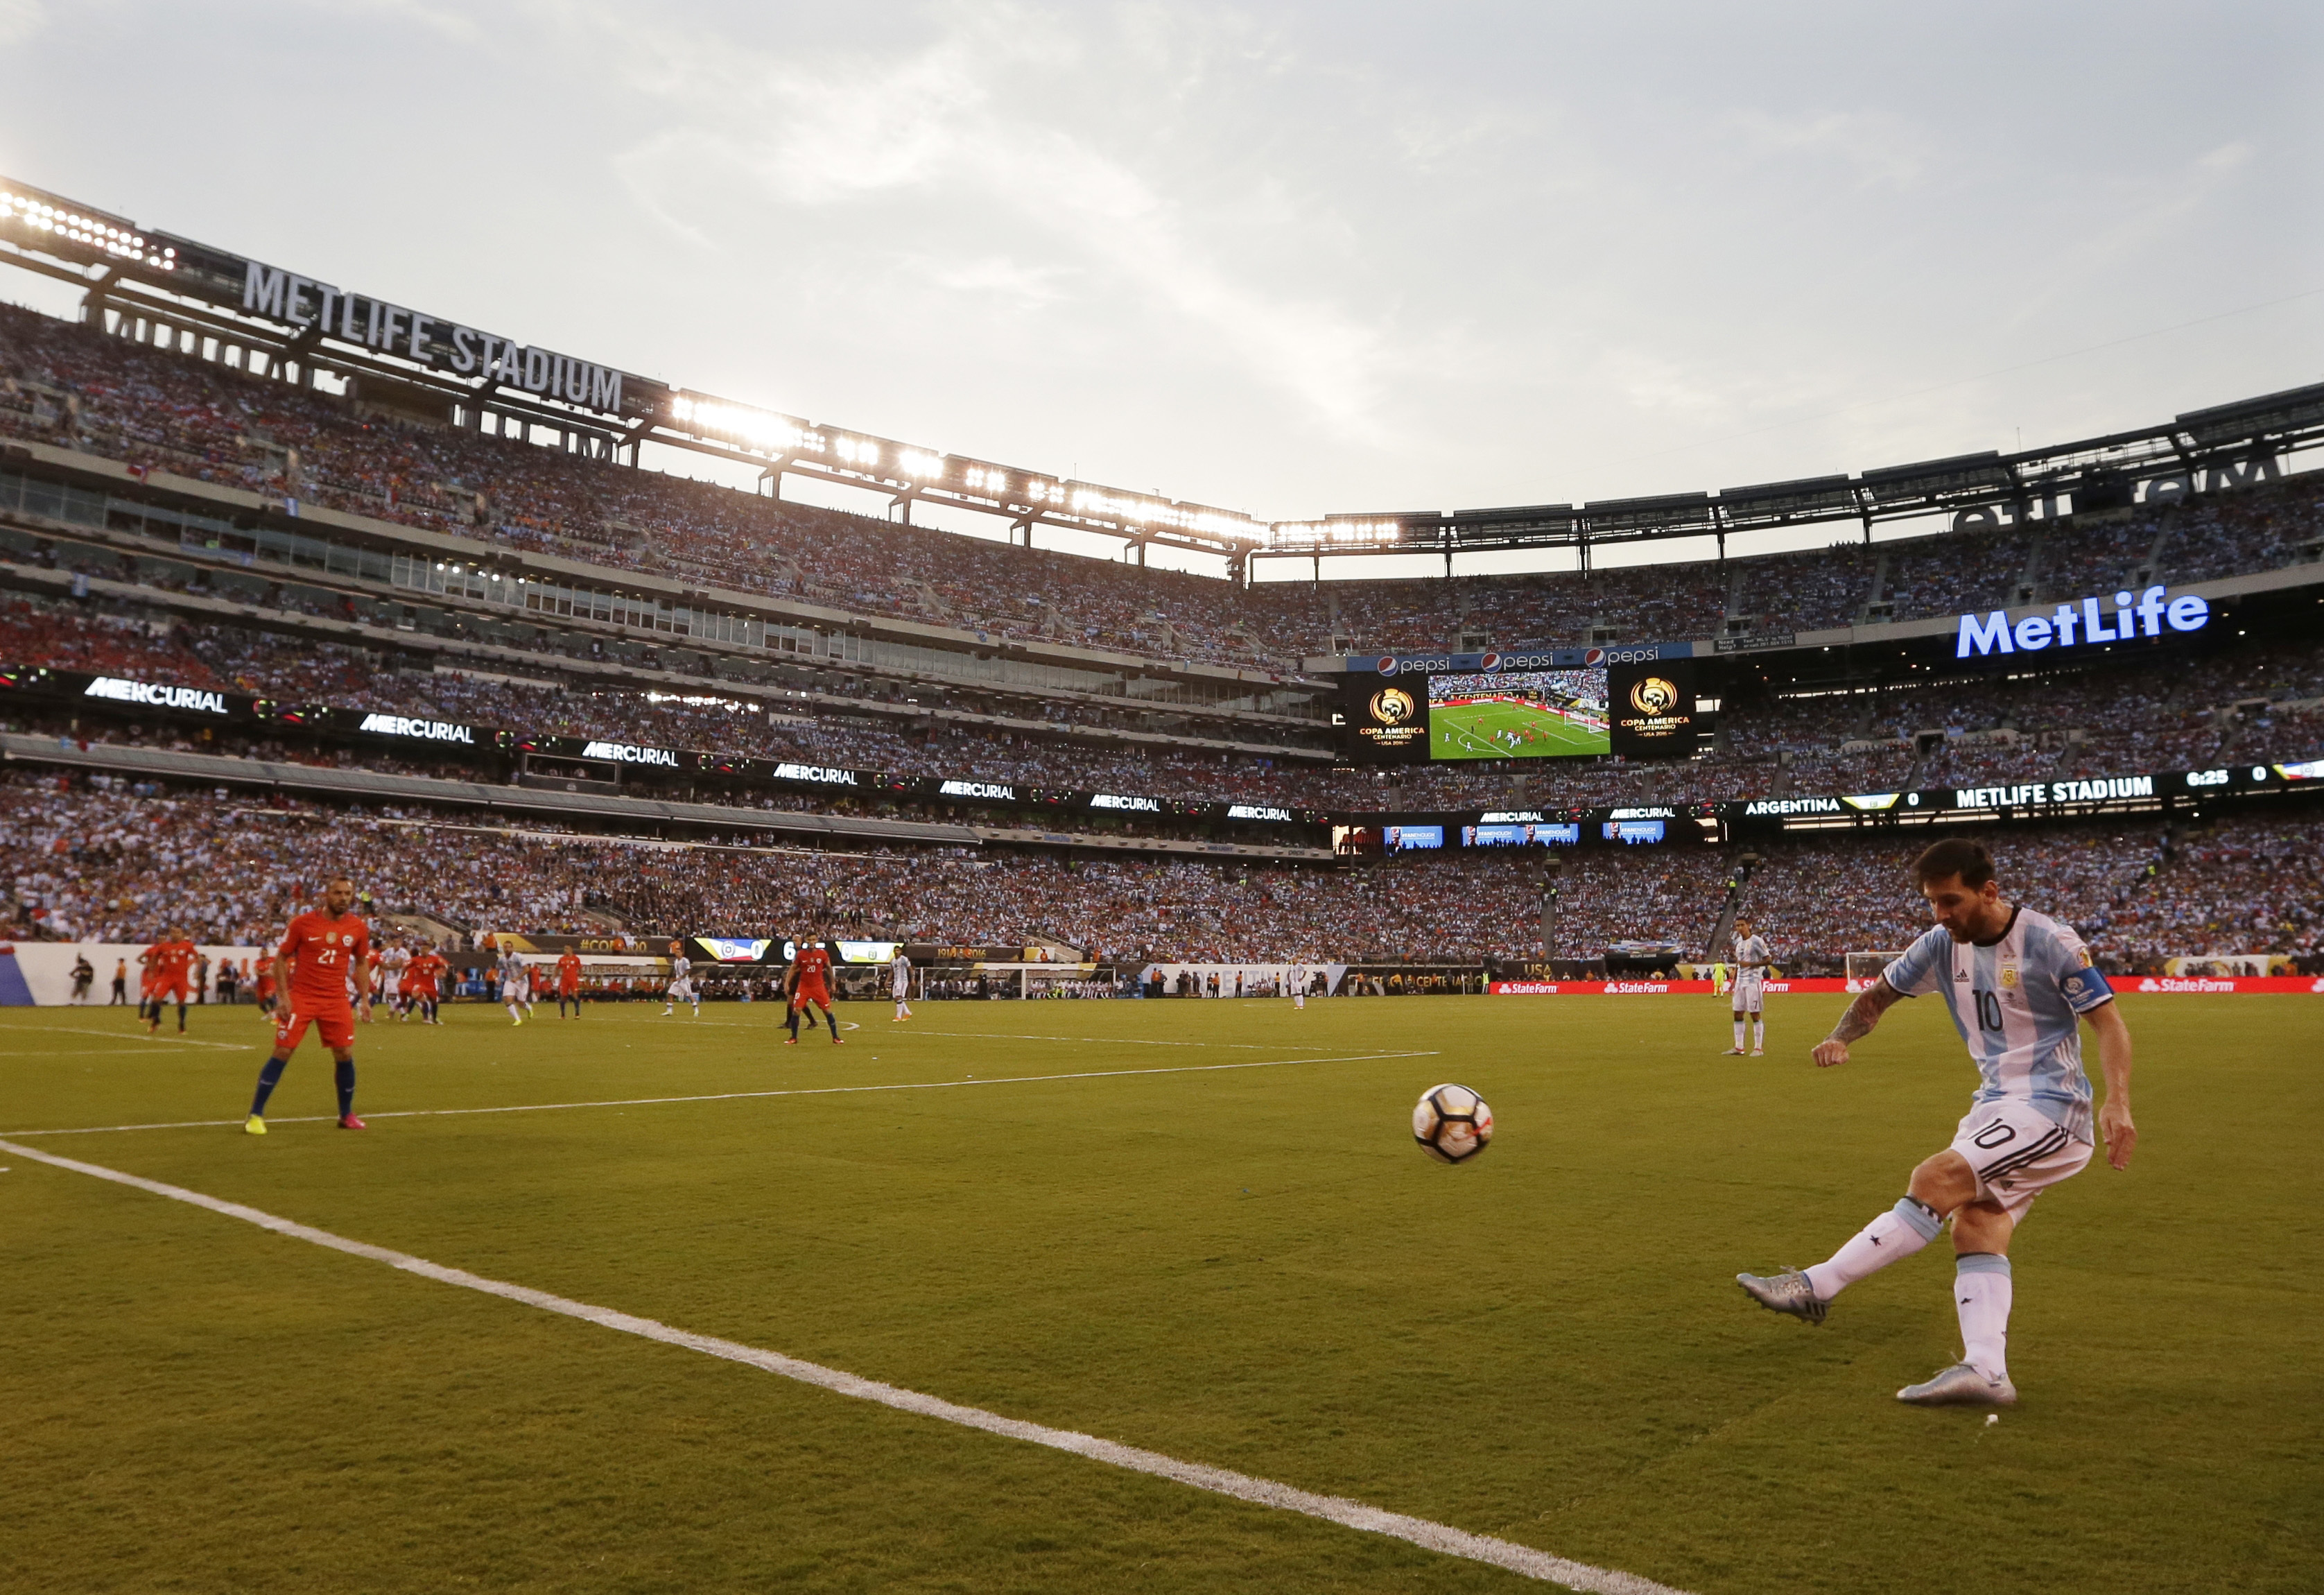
1392 706
1651 695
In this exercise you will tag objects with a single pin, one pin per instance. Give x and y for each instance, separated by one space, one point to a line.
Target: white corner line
1523 1560
736 1096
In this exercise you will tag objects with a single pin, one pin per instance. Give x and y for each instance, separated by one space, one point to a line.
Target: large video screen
1518 714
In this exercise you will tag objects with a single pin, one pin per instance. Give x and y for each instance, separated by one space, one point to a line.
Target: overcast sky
1287 258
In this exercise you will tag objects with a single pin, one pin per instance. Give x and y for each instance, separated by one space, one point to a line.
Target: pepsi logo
1387 666
1596 656
1491 662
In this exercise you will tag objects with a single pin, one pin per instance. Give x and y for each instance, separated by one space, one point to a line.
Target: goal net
1863 968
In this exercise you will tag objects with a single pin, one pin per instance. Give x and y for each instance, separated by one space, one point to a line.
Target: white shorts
2017 1152
681 990
1750 994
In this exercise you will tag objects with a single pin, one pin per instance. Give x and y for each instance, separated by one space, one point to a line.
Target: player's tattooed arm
1862 1014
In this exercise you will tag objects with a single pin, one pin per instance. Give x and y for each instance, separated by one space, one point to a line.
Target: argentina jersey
2017 1002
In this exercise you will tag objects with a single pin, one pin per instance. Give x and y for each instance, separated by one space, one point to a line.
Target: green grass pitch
1466 732
1251 1267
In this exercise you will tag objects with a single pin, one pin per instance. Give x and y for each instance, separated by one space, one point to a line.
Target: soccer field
1466 730
1197 1228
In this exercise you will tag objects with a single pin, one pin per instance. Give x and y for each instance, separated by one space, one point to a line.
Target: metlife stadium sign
433 341
2080 622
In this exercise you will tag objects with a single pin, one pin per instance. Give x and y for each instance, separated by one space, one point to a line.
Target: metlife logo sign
2080 622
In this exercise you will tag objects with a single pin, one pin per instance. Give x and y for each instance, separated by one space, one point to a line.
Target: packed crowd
98 860
65 382
2105 719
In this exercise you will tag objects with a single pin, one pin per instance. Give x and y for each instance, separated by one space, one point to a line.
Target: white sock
1759 1034
1981 1291
1738 1035
1897 1233
512 1012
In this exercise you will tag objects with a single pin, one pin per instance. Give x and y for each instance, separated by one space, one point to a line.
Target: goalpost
1863 968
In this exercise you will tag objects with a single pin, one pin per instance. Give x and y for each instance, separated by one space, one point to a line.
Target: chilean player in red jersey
568 982
421 978
169 969
318 954
810 981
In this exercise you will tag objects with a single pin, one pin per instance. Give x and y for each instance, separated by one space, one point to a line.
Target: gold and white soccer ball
1452 1123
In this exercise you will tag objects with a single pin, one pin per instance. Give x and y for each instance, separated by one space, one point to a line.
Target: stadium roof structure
298 328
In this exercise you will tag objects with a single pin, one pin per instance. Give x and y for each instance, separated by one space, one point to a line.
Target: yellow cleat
254 1125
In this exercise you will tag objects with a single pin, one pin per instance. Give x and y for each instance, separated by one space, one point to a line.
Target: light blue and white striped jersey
1752 954
2016 1000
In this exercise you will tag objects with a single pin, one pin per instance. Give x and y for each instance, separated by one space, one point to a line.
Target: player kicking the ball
1751 956
2016 982
317 956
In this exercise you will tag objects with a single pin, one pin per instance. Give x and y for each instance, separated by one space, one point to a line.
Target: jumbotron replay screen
1518 714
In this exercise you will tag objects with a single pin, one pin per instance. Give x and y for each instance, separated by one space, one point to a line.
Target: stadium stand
101 859
76 385
2266 700
116 851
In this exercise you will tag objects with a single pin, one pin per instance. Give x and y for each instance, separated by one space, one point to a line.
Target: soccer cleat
837 1040
791 1041
1787 1292
1732 1052
254 1125
1959 1386
1758 1052
349 1121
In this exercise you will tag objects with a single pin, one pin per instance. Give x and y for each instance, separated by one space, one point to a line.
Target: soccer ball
1452 1123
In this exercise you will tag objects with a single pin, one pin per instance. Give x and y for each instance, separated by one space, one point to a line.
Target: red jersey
321 950
813 963
421 974
569 972
168 960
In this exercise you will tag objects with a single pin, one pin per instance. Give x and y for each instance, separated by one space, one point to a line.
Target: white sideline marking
1440 1537
730 1096
119 1035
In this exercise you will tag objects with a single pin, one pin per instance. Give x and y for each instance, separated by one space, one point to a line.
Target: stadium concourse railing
331 782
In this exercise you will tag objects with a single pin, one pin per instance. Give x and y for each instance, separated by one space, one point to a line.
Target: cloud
836 131
20 19
1879 150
